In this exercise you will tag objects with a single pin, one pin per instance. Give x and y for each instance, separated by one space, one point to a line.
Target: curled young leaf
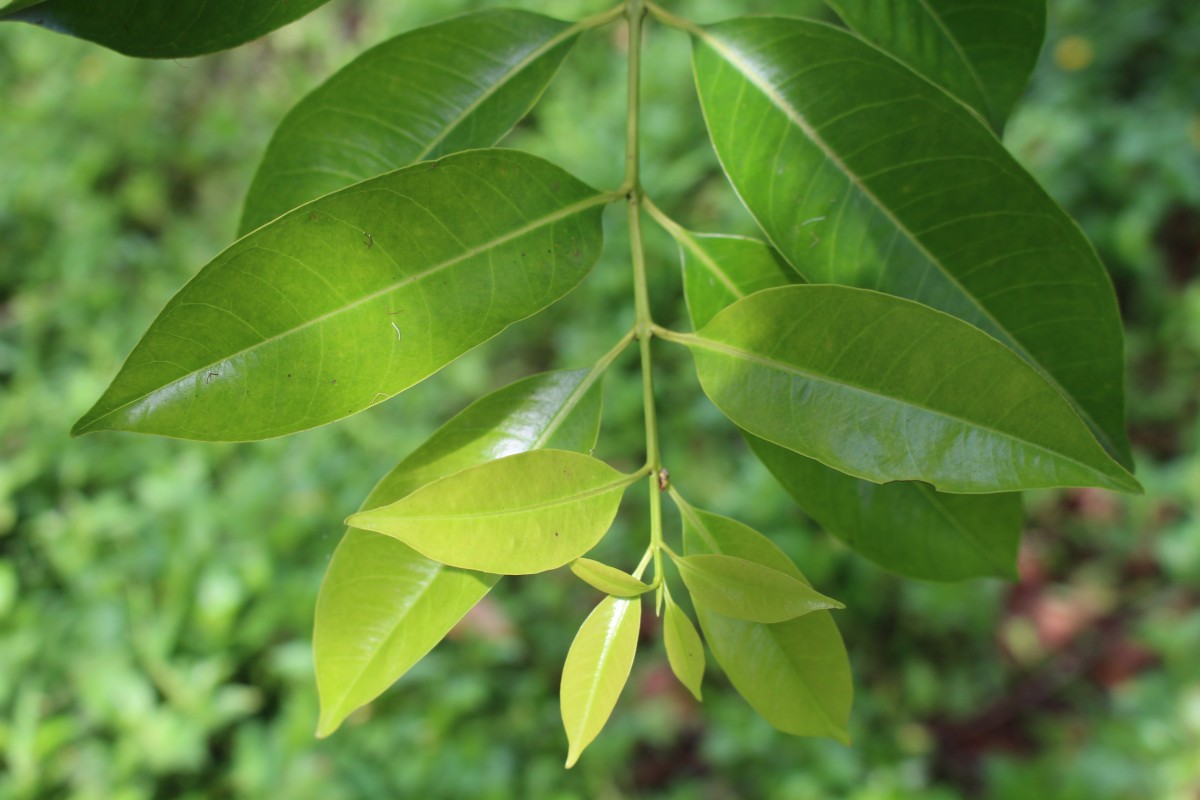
609 580
525 513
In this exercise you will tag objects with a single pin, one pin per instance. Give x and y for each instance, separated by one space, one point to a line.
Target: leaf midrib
550 219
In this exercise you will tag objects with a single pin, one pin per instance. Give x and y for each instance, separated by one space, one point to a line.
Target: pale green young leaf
887 389
455 85
746 590
518 515
796 674
981 53
383 605
164 28
863 173
906 526
596 670
607 579
685 651
341 304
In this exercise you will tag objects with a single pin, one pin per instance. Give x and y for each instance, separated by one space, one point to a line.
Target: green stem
645 323
672 21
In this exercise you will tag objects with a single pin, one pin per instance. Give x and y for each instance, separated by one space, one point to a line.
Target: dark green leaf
161 28
905 526
525 513
685 651
887 389
609 580
863 173
383 605
796 674
355 297
596 670
748 590
453 86
982 54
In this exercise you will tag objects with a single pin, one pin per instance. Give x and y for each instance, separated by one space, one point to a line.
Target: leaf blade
906 527
746 590
596 670
414 601
517 515
935 210
311 311
983 55
795 674
479 75
796 366
608 579
178 29
685 651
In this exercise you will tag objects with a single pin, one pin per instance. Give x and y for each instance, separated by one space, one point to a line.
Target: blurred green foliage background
156 596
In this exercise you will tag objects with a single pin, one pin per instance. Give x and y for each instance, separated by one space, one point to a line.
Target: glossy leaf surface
164 28
355 297
383 605
518 515
718 270
796 674
748 590
863 173
887 389
906 526
685 651
596 670
982 54
607 579
456 85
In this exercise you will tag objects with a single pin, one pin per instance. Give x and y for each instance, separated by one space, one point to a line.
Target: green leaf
981 54
456 85
163 28
518 515
609 580
383 605
906 526
747 590
863 173
355 297
887 389
720 269
597 669
796 674
685 651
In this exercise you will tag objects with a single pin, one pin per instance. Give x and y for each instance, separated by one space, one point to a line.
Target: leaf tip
572 757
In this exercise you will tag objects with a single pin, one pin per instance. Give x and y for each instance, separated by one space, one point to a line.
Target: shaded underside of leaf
863 173
981 53
456 85
742 589
887 389
685 651
356 296
906 527
383 605
174 29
